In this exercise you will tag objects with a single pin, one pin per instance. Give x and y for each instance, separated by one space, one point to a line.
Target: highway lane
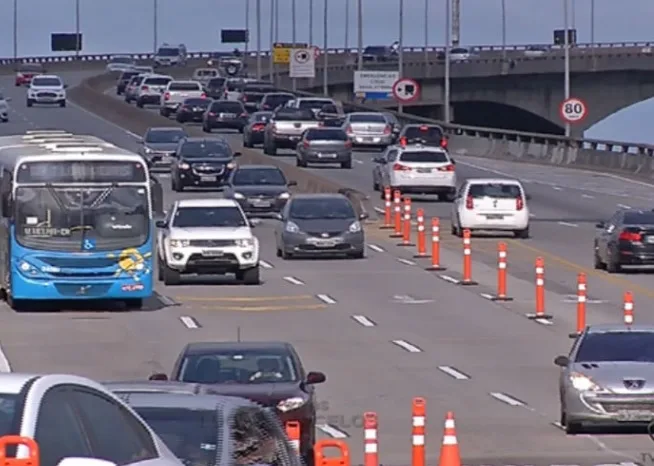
499 355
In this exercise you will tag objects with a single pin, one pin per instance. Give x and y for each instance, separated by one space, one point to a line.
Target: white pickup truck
285 128
176 93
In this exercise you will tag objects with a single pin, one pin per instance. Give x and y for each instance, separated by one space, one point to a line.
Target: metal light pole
504 31
448 39
15 29
359 35
455 7
310 23
271 64
400 65
566 72
592 31
325 33
426 31
155 26
294 34
258 20
78 42
247 25
573 14
347 24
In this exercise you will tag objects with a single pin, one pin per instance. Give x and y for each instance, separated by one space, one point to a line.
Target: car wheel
206 128
375 185
170 276
133 304
300 163
139 103
347 164
160 273
597 261
286 255
522 234
30 102
358 255
249 276
613 263
571 428
278 253
272 150
164 113
62 103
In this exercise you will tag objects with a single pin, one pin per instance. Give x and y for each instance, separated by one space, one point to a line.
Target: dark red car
26 71
269 373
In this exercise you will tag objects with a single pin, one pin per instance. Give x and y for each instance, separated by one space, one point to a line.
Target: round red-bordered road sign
573 110
406 90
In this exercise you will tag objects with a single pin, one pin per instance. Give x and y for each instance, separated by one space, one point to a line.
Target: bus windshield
81 218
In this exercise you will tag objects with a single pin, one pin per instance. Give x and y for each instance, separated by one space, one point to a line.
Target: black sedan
254 130
626 239
259 189
225 114
202 162
192 110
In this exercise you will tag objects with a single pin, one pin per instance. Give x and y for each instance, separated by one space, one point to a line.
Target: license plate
258 203
650 239
208 178
213 253
227 115
424 170
325 243
327 156
367 139
495 217
635 416
294 138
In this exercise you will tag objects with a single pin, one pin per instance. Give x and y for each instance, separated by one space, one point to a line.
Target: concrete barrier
90 94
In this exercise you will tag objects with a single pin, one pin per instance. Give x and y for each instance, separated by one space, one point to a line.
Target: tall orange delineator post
581 305
397 214
540 293
388 209
450 454
370 450
435 246
502 274
406 224
321 459
33 457
293 433
628 308
422 235
467 260
419 413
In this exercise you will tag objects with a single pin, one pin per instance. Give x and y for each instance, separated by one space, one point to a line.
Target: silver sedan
608 378
368 129
324 146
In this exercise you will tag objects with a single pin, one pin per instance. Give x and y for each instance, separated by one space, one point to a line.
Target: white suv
46 89
152 89
207 237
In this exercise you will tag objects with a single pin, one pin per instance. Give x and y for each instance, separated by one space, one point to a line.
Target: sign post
573 110
303 63
405 90
375 85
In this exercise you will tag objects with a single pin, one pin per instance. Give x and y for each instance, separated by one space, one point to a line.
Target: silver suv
152 89
170 55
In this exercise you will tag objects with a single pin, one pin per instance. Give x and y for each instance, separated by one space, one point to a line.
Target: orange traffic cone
450 455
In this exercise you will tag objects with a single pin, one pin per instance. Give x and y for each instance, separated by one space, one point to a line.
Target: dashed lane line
405 261
568 224
363 321
247 299
454 373
587 196
405 345
508 399
325 298
5 366
265 265
189 322
294 281
623 206
332 431
374 247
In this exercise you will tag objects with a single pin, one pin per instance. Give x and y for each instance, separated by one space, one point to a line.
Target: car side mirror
364 216
8 99
65 86
315 378
453 162
600 225
161 224
279 217
237 154
561 361
158 376
291 183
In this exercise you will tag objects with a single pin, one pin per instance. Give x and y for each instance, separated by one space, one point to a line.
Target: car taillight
398 167
519 203
630 236
203 95
387 130
244 115
144 88
258 127
226 94
306 144
469 204
184 108
265 106
403 141
245 98
348 130
167 96
447 168
348 144
444 143
212 114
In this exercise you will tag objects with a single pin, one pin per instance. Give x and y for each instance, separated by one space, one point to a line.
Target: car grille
204 170
82 289
617 407
321 234
212 243
47 95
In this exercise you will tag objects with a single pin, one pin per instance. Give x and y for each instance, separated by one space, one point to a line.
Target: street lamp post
310 23
294 34
78 42
448 39
247 26
15 29
347 24
359 35
155 26
271 62
504 31
566 71
400 107
426 26
258 19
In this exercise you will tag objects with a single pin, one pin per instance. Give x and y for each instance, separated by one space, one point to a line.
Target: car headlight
239 196
231 166
583 383
147 150
245 243
292 227
355 227
284 195
184 166
290 404
179 243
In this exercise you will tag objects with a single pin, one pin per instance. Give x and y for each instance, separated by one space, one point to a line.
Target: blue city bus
76 221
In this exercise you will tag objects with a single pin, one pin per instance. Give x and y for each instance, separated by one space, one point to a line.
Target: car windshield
227 216
275 100
258 176
191 435
8 415
326 135
197 102
494 190
640 218
627 346
157 81
326 208
227 107
216 83
260 117
428 134
127 75
367 118
81 219
374 50
292 114
207 148
235 86
31 68
239 366
177 86
168 52
424 156
316 104
50 82
128 60
164 136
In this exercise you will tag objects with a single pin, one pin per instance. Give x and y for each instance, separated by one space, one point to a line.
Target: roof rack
53 140
35 132
76 148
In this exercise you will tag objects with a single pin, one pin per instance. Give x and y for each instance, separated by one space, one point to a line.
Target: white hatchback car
491 204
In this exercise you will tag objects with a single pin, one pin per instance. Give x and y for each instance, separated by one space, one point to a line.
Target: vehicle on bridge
26 71
286 127
368 129
204 75
77 219
380 53
176 92
120 63
253 130
626 239
4 108
259 189
201 163
46 89
324 146
124 79
427 135
170 55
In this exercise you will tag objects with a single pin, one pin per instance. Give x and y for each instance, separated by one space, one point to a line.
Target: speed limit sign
573 110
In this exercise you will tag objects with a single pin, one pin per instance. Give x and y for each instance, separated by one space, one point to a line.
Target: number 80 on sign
573 110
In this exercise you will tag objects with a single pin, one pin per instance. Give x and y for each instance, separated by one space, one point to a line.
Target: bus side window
5 193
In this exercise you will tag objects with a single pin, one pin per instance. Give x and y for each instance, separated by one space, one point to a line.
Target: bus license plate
207 179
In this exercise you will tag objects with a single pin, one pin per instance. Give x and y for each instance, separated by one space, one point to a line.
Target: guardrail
331 51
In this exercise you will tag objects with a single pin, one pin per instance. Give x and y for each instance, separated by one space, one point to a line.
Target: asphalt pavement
383 329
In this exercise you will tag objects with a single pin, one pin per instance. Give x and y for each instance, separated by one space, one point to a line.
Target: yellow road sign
282 52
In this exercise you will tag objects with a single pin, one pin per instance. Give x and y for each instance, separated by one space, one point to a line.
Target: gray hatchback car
316 225
322 146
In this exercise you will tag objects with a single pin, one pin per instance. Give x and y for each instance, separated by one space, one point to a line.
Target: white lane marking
532 215
452 372
558 425
623 206
332 431
587 196
544 321
379 210
568 224
294 280
104 120
4 362
363 320
405 261
374 247
358 161
504 398
407 346
189 322
165 299
325 298
488 296
447 278
265 265
557 188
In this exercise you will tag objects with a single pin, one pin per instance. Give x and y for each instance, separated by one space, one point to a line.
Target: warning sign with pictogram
303 63
406 90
